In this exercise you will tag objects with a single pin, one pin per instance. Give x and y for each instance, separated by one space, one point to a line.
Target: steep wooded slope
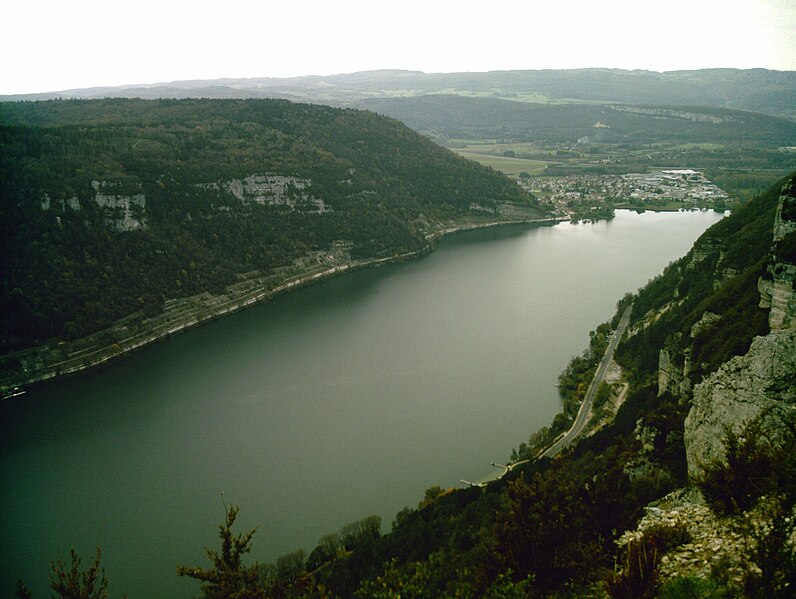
112 207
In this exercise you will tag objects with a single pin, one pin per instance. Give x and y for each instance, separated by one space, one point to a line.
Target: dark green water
331 403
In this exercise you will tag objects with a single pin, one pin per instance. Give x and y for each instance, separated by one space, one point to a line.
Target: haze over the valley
53 46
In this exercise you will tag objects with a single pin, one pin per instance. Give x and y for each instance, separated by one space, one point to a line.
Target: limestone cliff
758 384
120 209
721 325
123 212
274 190
762 383
778 287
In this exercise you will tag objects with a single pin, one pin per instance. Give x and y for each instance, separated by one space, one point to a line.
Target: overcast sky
50 45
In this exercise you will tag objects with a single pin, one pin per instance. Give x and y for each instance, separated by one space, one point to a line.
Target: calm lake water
331 403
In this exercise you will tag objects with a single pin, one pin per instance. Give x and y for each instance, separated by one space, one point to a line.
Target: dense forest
111 207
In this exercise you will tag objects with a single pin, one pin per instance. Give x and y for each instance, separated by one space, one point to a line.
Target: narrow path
588 400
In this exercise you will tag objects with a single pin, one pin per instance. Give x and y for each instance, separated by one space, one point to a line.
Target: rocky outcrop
711 542
779 295
665 371
72 203
778 287
673 370
124 212
674 365
760 384
277 190
506 210
758 387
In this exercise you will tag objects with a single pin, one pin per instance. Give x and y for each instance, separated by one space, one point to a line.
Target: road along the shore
584 413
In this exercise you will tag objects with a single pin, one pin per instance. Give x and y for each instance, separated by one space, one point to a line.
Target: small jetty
13 392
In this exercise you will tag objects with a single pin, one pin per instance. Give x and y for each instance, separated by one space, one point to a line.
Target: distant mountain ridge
458 116
757 90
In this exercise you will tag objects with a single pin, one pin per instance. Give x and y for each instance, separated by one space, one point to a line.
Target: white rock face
277 190
760 383
778 290
780 297
123 212
505 210
47 203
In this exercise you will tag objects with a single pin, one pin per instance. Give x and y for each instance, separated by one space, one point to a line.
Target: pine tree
74 584
228 578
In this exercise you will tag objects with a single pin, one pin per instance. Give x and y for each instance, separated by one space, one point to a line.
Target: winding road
588 400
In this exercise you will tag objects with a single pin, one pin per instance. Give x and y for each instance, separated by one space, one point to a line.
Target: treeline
68 271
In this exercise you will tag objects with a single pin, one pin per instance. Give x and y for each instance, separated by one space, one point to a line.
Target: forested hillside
719 275
112 207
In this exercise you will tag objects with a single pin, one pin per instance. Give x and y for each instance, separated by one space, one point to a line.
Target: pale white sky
50 45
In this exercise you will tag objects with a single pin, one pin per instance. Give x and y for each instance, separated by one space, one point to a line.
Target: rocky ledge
756 385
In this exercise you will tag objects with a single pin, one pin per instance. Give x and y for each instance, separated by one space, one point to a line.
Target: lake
328 404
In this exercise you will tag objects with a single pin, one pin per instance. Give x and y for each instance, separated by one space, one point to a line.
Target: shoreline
205 307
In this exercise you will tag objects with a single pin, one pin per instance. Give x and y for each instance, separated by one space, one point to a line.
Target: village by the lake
671 189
